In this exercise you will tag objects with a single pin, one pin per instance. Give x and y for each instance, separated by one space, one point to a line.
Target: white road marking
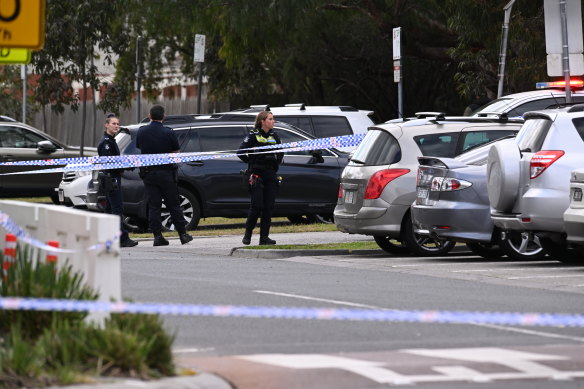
529 277
507 268
192 350
493 326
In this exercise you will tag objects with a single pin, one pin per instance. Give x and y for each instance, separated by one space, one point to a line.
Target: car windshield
495 106
377 148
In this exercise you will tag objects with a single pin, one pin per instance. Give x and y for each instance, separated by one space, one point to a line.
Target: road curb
282 253
198 381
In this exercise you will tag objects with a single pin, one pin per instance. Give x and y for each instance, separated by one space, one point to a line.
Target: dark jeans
161 184
115 205
263 198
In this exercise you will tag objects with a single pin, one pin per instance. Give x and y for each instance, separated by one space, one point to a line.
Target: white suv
318 121
529 177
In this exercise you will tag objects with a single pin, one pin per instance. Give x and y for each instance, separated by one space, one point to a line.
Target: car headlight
82 173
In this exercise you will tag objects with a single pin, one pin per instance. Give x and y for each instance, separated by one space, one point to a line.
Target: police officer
160 181
112 179
263 181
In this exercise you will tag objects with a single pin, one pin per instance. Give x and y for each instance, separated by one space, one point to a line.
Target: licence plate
350 197
422 193
577 194
61 196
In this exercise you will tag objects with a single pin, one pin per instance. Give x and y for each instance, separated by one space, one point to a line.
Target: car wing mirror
46 147
316 157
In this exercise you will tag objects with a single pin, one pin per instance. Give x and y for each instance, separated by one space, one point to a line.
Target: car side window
579 124
327 126
438 145
19 138
289 136
536 105
302 122
192 143
475 138
221 138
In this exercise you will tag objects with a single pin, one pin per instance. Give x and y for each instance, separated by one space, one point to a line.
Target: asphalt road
280 353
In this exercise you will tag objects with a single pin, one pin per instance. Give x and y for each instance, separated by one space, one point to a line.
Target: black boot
159 240
246 237
264 240
184 237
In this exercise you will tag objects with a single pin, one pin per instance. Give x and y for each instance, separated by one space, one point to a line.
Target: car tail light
542 160
380 179
443 184
340 195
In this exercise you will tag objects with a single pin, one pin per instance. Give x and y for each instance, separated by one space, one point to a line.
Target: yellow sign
10 55
22 23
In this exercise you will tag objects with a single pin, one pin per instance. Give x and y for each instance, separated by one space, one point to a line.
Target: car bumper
454 221
371 220
73 193
574 225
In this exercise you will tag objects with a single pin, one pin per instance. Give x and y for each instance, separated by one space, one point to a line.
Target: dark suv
215 187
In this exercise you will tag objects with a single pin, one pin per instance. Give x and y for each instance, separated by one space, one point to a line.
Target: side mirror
46 147
316 157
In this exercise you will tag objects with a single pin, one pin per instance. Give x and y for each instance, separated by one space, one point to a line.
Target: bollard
52 258
9 253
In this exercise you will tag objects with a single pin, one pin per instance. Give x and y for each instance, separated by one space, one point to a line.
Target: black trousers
161 184
263 198
115 205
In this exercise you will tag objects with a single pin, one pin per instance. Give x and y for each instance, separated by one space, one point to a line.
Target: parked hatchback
378 185
529 177
215 187
21 142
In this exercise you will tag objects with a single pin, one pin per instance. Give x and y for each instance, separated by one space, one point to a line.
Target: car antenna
556 100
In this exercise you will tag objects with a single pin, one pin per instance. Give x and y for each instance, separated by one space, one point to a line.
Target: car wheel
390 245
560 252
486 250
424 245
522 245
503 171
190 207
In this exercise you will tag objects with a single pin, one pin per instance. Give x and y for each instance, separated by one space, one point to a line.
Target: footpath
230 245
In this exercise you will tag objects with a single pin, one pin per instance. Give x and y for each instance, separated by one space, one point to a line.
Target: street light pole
565 51
503 53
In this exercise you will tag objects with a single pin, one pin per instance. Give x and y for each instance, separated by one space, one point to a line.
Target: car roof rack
577 108
435 115
302 106
263 107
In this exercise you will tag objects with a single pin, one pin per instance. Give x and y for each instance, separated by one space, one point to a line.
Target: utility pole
23 76
565 51
503 52
200 58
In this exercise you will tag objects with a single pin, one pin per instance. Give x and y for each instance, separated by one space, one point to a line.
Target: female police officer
263 181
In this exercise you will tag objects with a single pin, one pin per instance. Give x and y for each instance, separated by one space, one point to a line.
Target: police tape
161 159
21 234
379 315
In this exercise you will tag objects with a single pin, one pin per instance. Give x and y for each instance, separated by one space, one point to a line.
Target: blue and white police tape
417 316
11 227
309 144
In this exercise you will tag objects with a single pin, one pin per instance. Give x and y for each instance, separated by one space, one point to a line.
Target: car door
307 184
21 144
218 180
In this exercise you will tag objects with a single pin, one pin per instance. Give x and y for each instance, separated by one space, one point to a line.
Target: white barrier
75 230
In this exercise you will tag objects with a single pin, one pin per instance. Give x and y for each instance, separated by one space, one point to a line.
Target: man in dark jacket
263 180
160 181
111 180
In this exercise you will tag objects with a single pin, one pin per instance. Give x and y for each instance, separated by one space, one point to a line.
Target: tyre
560 252
391 246
503 171
190 207
522 245
486 250
423 245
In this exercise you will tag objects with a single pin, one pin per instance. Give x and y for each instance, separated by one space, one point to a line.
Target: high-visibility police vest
269 140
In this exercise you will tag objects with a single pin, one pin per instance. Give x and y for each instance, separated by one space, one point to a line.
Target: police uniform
114 200
160 181
263 181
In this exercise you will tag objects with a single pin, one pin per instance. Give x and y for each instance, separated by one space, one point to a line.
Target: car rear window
377 148
579 124
438 145
532 134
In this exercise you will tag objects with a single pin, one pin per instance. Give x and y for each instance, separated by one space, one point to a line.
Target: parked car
318 121
378 185
21 142
574 215
547 96
452 204
529 177
215 187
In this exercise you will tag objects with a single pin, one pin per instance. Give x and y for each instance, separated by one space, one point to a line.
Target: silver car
378 185
452 204
529 177
574 215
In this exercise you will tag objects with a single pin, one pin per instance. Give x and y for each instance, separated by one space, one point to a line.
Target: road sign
396 71
22 24
397 43
199 48
10 55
